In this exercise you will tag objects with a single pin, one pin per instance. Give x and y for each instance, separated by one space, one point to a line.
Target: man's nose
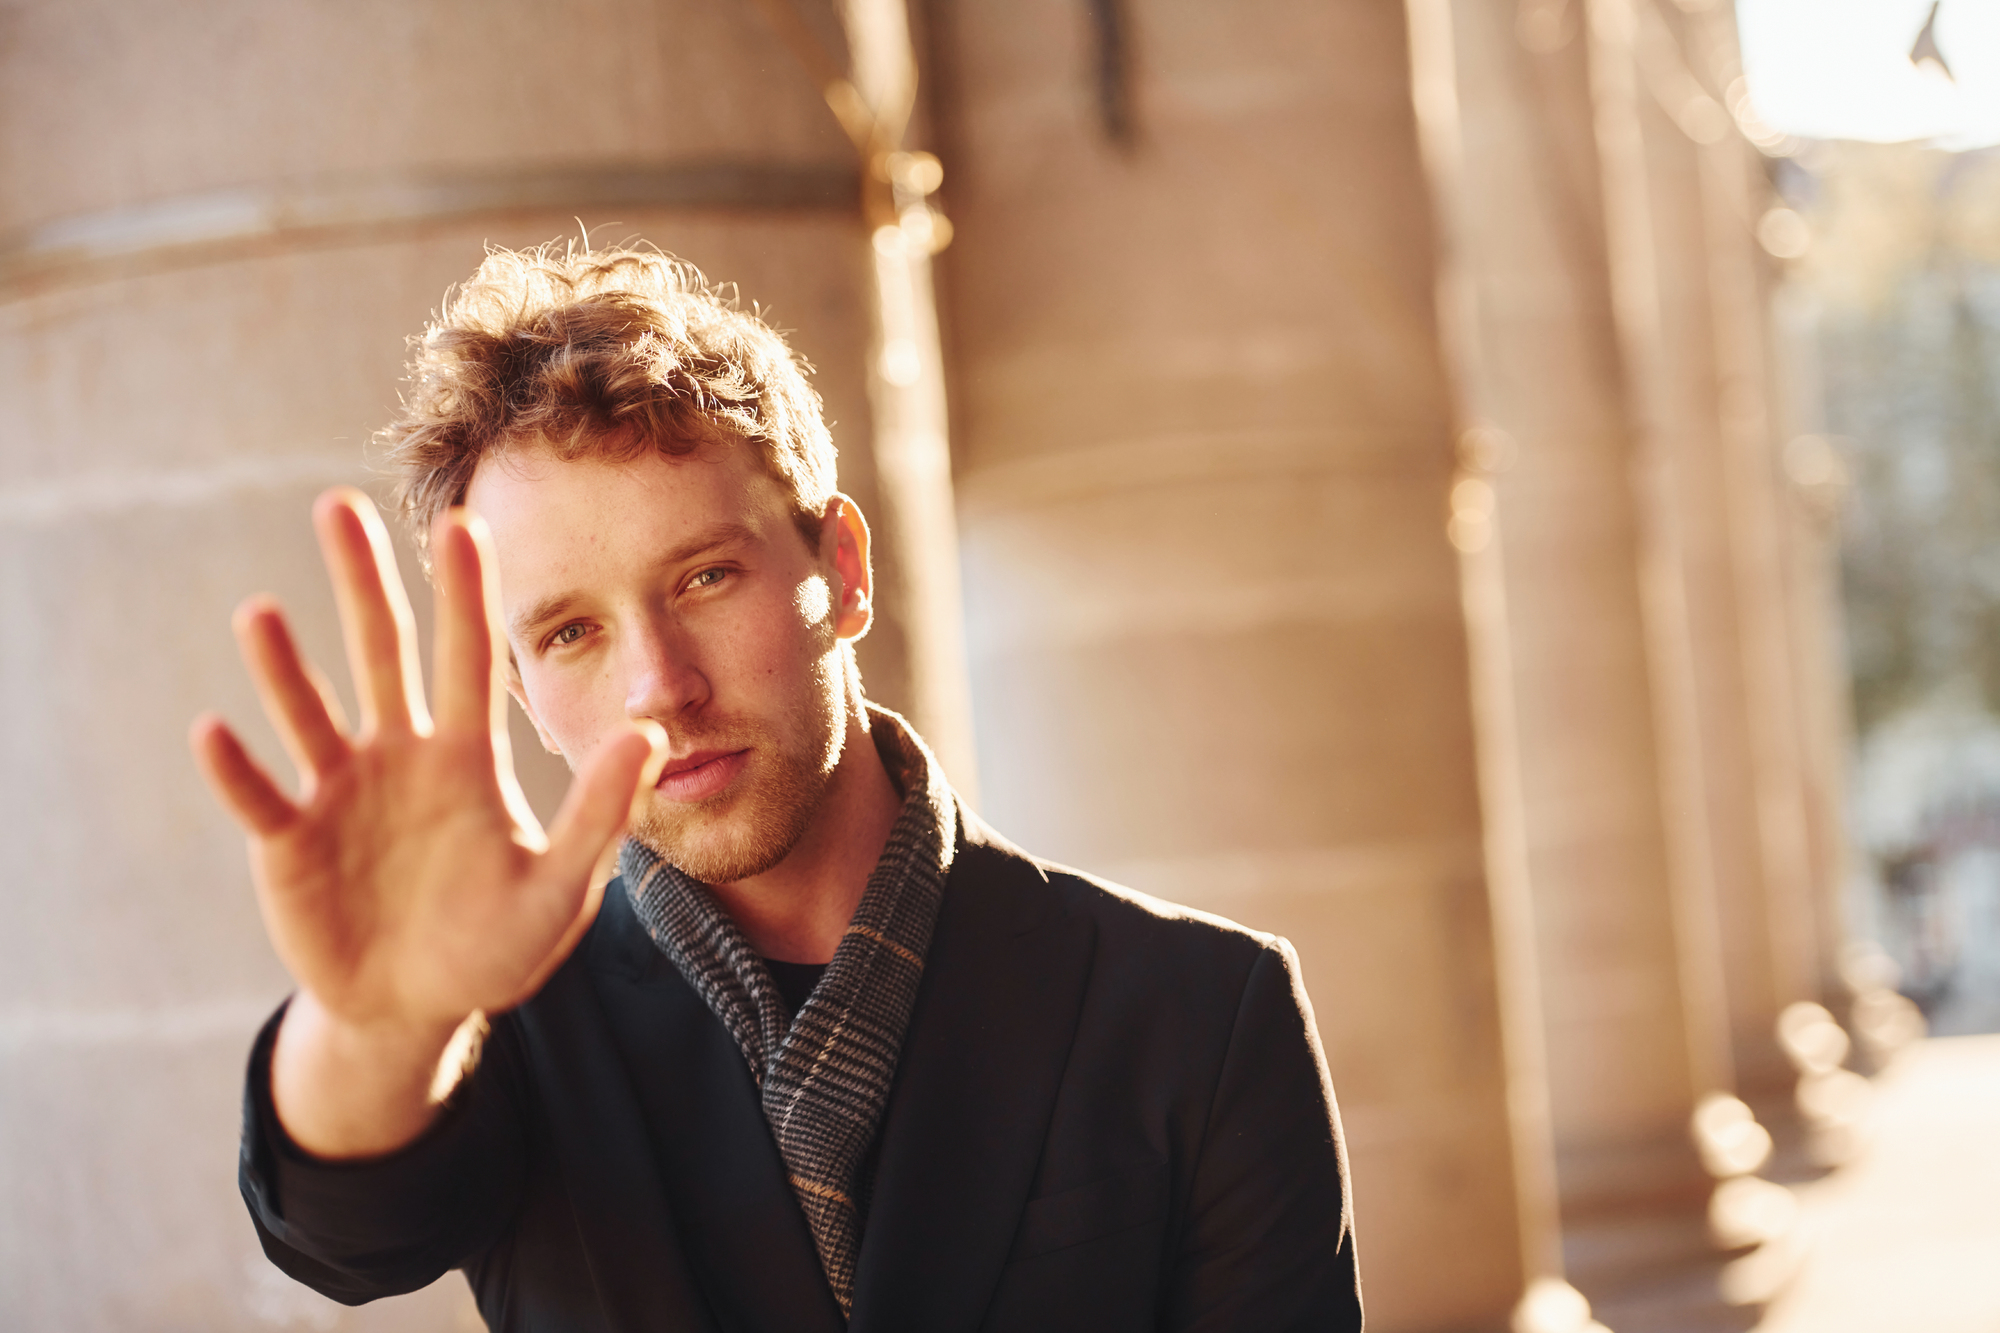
664 680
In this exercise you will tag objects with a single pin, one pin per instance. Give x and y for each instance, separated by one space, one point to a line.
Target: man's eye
568 634
708 578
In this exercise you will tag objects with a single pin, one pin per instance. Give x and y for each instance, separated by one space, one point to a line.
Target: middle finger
374 612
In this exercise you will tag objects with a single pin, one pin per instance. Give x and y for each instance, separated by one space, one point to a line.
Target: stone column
1719 474
1815 486
214 238
1619 849
874 97
1204 445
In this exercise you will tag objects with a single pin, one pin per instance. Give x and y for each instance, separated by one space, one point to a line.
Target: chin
713 857
753 824
733 838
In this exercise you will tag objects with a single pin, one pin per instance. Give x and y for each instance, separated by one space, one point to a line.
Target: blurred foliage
1904 272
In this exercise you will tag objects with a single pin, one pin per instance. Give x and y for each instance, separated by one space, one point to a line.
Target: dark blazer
1110 1114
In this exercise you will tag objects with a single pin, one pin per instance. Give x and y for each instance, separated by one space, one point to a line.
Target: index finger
470 698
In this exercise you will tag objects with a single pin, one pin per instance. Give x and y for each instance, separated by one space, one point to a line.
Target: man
827 1051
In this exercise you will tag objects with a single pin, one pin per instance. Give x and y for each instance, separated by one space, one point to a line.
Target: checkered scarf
825 1075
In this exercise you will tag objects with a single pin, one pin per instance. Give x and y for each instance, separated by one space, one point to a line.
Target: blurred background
1502 492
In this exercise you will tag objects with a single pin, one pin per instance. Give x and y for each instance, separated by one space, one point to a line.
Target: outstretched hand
406 885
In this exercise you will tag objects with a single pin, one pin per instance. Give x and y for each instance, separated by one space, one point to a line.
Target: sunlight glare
1840 69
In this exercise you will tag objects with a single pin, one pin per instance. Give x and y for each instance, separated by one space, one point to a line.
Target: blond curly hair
600 353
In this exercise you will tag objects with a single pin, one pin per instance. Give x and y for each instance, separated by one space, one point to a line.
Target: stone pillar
1794 661
1204 445
1550 1304
1815 484
214 238
1618 847
1719 481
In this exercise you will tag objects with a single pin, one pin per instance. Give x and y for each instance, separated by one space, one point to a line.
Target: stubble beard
754 825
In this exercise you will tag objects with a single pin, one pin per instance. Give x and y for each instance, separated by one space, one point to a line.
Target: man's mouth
698 776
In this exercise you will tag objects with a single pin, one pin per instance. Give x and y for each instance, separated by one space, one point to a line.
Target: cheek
575 708
764 640
814 601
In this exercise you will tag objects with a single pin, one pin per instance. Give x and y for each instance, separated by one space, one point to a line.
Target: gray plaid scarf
825 1076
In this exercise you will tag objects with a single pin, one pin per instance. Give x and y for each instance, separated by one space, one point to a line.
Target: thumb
606 793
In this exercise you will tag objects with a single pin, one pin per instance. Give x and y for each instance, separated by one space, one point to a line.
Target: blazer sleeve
357 1230
1268 1241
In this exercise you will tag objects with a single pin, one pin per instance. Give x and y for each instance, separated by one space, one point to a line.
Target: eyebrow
555 605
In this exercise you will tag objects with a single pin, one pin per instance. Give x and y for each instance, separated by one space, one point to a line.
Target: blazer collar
975 1090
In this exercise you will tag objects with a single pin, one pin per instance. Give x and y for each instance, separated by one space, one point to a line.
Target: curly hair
599 353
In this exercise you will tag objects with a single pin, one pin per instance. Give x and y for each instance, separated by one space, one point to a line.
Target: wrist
385 1043
344 1089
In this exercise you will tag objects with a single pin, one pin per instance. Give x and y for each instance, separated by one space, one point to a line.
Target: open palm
407 884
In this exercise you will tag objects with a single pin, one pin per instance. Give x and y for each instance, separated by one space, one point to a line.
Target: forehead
552 516
530 486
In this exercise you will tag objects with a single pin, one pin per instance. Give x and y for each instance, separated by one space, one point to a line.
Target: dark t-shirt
795 982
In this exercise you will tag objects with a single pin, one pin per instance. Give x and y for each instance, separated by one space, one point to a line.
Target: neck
798 910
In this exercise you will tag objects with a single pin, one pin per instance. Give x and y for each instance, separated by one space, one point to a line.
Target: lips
698 776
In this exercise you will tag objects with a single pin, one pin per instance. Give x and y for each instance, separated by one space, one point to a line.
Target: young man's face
680 590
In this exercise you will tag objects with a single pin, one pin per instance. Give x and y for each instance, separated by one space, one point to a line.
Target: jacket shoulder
1126 918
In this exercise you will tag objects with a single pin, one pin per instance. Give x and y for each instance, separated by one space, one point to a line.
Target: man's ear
515 687
843 546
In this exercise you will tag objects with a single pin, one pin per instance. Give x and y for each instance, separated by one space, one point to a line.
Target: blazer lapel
624 1224
743 1232
975 1089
